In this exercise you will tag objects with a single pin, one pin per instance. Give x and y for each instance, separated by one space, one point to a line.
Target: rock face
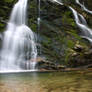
42 63
80 57
59 37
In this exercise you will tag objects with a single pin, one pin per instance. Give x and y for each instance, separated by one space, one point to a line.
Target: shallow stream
76 81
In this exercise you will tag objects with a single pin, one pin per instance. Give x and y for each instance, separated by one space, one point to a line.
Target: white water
19 50
83 7
39 19
57 1
86 32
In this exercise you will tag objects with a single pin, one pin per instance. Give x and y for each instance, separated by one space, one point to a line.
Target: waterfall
19 48
86 32
38 25
83 7
39 14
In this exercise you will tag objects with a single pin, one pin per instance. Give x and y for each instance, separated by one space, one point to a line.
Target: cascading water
82 24
19 50
38 23
86 32
38 14
57 1
83 7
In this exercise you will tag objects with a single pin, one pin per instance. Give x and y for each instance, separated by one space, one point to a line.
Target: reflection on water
80 81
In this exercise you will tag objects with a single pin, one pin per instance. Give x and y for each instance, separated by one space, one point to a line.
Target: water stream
57 1
86 32
83 7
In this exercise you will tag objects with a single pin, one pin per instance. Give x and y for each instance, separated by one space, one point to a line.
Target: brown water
80 81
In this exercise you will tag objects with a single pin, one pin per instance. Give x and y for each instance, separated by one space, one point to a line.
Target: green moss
8 1
73 33
70 44
66 19
2 25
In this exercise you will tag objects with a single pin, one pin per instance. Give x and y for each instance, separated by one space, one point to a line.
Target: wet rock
88 54
47 65
78 48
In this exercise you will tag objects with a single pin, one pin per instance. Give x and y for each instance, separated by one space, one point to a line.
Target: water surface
80 81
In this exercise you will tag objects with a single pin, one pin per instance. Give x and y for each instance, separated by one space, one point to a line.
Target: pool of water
79 81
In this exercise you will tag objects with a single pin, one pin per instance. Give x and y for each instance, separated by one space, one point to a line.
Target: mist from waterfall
83 7
19 50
